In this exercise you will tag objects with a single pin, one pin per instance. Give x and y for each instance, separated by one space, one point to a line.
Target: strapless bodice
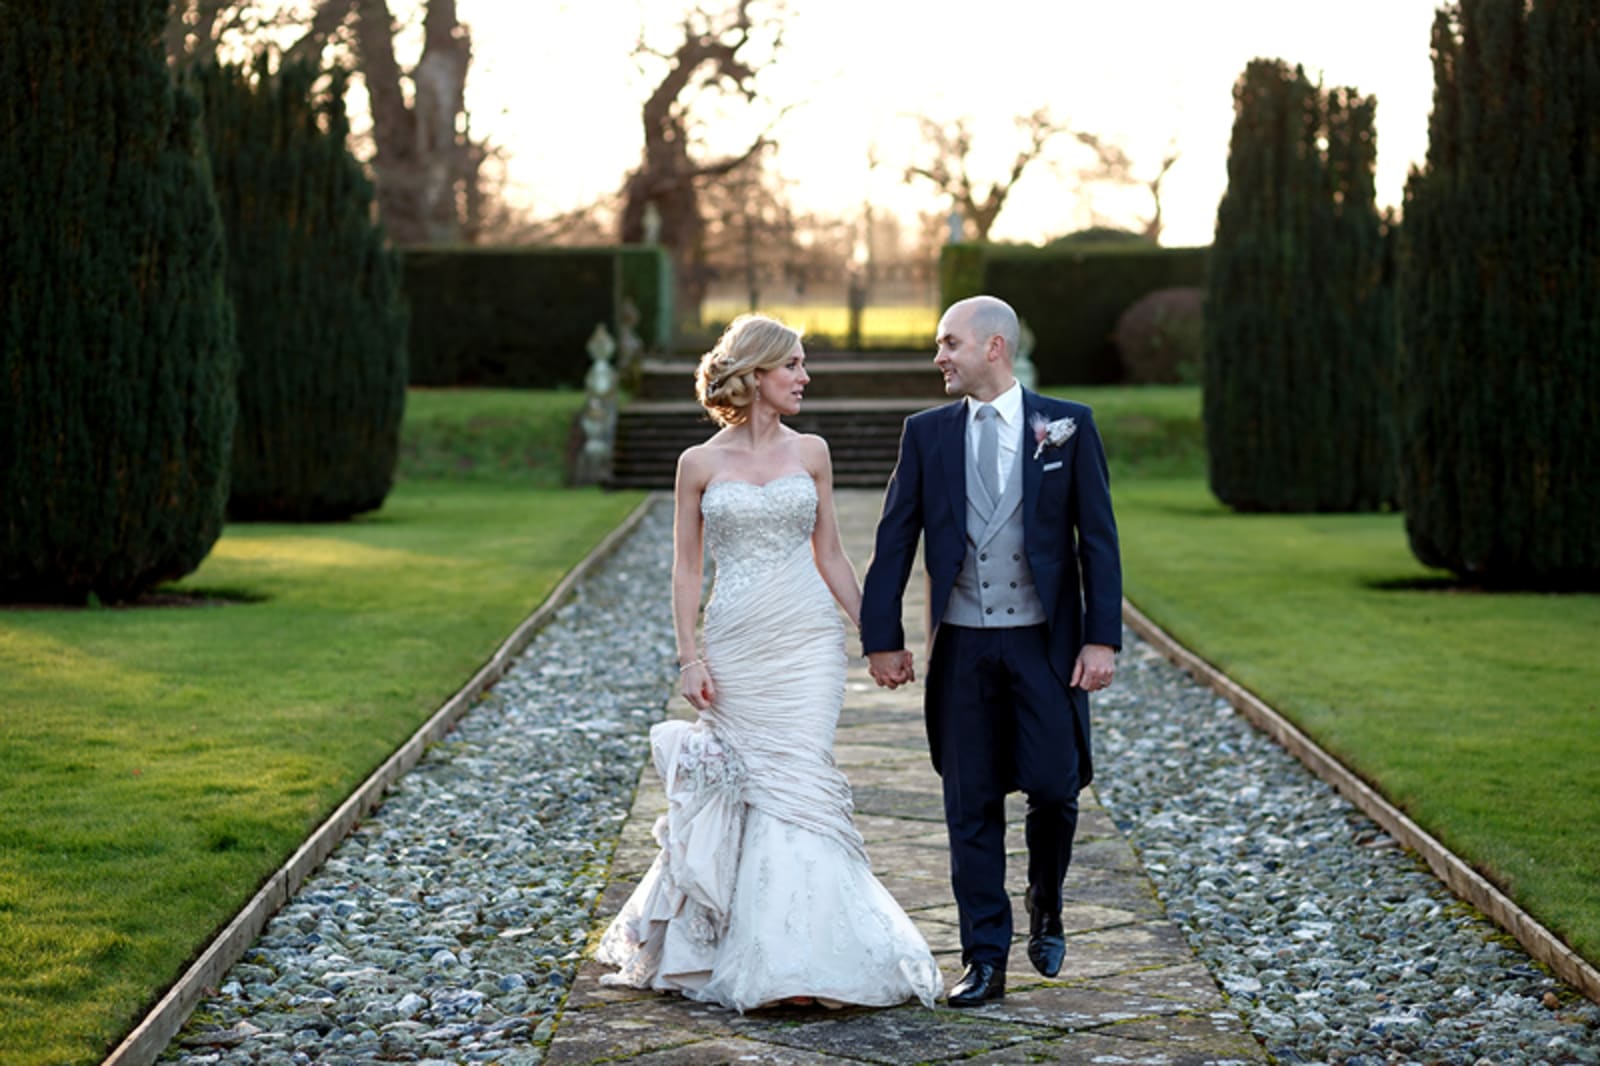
754 529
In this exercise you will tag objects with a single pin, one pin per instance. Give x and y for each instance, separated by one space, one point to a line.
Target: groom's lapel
1031 470
952 434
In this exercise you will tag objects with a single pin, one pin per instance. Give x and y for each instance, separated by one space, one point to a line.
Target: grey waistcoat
995 586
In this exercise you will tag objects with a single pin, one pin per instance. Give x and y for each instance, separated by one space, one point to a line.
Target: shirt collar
1008 405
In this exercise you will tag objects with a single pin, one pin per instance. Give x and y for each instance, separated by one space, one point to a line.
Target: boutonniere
1051 434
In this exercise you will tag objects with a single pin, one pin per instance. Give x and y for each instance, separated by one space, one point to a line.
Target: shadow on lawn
163 596
1452 583
196 597
1428 583
1208 509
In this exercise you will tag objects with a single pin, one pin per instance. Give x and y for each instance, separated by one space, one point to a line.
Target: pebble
1334 943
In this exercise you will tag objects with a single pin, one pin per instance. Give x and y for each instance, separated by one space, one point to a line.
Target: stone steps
862 434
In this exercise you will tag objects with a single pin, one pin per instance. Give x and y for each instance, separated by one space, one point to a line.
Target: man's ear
996 348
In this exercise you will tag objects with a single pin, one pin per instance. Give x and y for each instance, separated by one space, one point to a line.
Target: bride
761 893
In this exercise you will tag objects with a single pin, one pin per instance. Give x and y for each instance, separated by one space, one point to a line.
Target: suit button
1011 610
986 585
1016 558
1013 584
988 610
983 558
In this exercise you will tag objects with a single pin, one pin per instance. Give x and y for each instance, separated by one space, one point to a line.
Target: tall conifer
117 358
1499 299
321 321
1298 339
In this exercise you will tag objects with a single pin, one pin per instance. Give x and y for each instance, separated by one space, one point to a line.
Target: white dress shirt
1008 406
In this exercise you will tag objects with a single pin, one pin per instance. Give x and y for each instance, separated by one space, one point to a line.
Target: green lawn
1476 713
881 326
159 762
501 434
1152 431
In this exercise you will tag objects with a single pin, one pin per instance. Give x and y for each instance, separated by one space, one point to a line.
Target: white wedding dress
762 890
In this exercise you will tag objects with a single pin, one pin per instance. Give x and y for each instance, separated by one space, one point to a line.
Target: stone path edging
151 1036
1465 882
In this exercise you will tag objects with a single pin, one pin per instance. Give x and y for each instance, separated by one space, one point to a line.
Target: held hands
694 680
891 669
1095 666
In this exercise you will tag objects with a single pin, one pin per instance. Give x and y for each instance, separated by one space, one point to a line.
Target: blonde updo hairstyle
725 381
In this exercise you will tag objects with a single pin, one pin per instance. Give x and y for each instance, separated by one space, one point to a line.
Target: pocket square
1051 466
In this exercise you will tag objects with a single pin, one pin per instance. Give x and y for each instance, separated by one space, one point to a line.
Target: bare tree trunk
752 283
426 165
423 166
668 176
1153 226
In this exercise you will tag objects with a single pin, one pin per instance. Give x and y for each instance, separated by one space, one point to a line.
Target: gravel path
1336 944
448 927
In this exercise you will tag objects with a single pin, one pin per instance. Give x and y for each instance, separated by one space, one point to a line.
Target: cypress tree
1298 340
117 358
1499 300
321 321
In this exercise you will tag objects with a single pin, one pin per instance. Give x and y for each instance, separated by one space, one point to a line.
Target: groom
1010 492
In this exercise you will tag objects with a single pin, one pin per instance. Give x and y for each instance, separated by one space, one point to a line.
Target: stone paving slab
1131 990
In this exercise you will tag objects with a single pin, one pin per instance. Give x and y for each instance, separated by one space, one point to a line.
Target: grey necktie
989 450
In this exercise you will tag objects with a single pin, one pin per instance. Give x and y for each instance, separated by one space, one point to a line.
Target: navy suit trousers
1006 723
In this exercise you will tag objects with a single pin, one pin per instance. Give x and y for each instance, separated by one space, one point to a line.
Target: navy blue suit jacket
1069 533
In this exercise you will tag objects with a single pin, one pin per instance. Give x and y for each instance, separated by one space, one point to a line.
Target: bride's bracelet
691 662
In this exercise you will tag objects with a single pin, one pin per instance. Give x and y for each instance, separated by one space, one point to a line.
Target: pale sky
554 83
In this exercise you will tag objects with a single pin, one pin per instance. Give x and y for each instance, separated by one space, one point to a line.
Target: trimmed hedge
322 382
1299 325
960 272
1070 296
117 354
1499 266
644 276
521 317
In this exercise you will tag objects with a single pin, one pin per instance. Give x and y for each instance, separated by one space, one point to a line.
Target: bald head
990 316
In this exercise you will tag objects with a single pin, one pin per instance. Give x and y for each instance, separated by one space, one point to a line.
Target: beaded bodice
753 529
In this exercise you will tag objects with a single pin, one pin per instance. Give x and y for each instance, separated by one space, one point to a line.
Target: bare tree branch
1114 166
328 18
948 169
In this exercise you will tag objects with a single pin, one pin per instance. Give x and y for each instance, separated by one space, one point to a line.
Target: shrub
1298 334
117 357
1499 366
321 324
1070 296
1099 235
1160 338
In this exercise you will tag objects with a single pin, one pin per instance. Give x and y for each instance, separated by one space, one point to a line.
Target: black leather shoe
982 982
1047 943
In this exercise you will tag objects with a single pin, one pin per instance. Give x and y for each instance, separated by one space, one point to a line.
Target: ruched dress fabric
762 890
